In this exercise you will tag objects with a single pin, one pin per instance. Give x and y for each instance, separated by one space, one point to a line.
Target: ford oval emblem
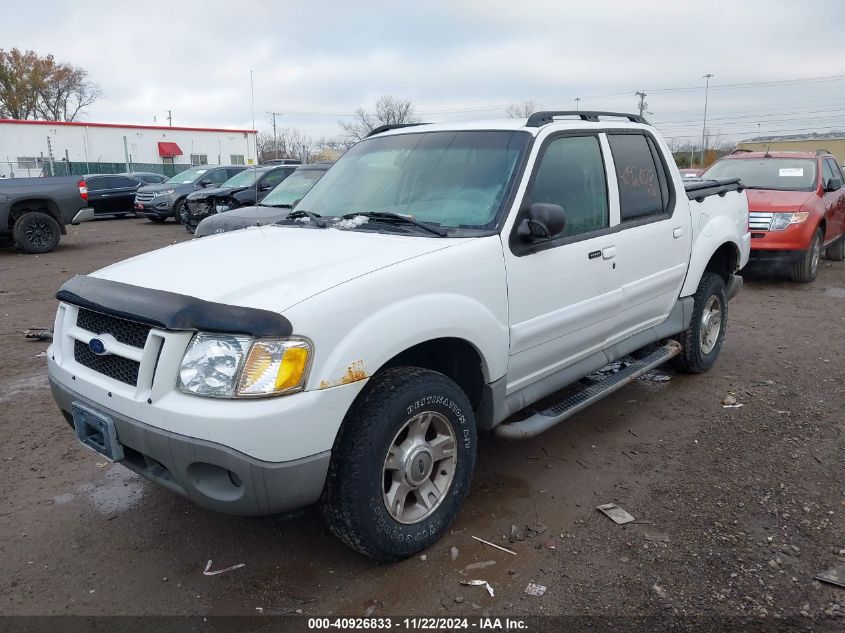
98 347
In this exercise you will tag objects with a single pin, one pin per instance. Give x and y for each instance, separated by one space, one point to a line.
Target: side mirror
832 185
265 187
542 222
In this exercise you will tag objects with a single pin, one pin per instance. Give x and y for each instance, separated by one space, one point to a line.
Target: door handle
608 252
677 232
105 195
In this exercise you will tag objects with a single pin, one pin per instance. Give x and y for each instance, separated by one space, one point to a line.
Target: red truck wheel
805 270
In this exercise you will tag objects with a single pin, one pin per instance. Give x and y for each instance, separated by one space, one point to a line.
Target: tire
178 209
700 344
836 252
36 232
361 481
805 270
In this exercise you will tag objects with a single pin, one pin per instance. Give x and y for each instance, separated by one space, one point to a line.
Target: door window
97 184
831 173
217 177
274 178
571 174
643 190
123 182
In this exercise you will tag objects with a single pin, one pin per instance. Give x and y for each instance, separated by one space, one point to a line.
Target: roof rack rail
819 152
393 126
741 150
539 119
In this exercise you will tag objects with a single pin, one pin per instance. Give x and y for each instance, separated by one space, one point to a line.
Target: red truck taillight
83 190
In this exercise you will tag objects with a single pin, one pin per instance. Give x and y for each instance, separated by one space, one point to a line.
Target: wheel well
453 357
724 261
823 227
22 207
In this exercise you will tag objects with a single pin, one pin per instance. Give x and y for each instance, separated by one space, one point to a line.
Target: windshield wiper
388 217
301 213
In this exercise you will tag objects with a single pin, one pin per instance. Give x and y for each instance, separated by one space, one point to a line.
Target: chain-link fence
42 168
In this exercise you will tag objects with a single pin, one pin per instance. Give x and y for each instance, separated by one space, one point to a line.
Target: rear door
562 295
122 193
652 243
99 194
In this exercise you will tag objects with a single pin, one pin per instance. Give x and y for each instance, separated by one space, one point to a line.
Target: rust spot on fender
354 373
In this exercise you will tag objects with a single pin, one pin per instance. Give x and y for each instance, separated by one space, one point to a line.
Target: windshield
245 178
188 176
780 174
453 179
293 187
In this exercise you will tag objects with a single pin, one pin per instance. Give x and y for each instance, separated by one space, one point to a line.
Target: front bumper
158 207
212 475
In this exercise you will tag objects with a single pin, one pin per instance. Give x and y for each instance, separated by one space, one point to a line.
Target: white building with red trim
27 146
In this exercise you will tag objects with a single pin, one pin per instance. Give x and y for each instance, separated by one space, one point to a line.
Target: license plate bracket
96 431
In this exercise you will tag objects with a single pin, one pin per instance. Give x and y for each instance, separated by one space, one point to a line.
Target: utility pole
643 105
577 104
704 125
50 156
275 140
170 118
126 154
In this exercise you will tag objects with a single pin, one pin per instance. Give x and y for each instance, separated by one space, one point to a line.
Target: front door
561 293
834 199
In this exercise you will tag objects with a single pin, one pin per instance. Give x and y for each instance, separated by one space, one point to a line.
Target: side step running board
544 420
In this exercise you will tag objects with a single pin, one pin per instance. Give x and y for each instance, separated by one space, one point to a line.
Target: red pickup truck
796 203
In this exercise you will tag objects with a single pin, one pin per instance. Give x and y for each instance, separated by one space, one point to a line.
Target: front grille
144 196
123 369
124 331
760 221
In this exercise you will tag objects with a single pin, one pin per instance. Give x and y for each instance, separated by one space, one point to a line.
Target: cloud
314 61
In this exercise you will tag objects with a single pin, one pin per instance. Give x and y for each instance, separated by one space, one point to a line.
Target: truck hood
771 200
164 186
221 192
271 267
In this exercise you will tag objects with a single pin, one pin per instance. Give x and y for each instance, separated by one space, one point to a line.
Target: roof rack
394 126
819 152
539 119
741 150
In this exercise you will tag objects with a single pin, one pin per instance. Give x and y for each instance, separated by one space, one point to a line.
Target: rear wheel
36 232
401 465
836 252
702 341
805 270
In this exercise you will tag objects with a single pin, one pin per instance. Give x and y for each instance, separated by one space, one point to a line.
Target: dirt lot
737 508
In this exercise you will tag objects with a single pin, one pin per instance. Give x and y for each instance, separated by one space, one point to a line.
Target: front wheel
36 232
806 269
179 212
401 465
702 341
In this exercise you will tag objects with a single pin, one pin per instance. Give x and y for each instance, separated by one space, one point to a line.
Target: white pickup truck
438 280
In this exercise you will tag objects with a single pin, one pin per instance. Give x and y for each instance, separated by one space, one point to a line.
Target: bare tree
31 85
521 110
388 111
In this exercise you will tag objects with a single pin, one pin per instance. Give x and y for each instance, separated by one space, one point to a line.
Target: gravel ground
737 508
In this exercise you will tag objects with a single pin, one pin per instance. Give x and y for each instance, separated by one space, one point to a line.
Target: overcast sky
316 61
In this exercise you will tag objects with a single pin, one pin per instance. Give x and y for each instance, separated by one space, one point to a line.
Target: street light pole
577 104
704 125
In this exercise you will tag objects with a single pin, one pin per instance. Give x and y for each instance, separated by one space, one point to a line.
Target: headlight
782 220
225 366
166 192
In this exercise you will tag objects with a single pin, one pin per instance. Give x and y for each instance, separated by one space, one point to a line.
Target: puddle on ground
118 490
839 293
